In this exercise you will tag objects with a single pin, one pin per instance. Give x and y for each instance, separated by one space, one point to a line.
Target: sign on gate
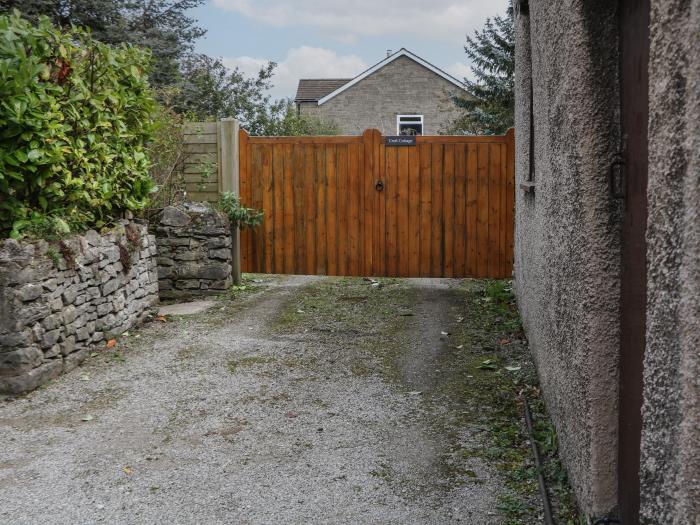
400 140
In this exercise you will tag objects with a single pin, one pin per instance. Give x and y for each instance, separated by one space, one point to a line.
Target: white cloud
301 62
446 20
460 71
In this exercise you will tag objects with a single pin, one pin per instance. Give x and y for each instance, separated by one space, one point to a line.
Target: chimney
388 52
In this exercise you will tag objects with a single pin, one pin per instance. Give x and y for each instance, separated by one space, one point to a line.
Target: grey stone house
607 249
402 94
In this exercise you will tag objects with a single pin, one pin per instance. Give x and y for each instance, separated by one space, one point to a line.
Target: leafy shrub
240 216
166 152
75 115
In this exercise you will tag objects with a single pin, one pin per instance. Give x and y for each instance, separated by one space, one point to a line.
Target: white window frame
399 122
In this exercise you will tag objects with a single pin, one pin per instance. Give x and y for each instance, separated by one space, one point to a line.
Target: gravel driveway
297 400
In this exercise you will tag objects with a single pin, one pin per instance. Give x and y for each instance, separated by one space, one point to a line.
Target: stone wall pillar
194 251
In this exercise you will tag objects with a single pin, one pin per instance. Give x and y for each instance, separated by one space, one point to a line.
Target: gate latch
380 185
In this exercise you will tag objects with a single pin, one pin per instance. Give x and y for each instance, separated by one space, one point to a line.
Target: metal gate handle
380 185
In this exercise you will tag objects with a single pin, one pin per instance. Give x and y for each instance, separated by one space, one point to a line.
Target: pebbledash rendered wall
59 299
402 87
670 462
567 247
567 242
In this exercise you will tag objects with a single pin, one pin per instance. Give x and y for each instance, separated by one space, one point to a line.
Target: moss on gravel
474 383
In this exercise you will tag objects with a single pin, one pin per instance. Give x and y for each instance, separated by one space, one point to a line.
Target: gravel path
269 408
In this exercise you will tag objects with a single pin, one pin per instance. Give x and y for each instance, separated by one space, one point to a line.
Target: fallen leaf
504 341
513 368
86 417
127 470
487 365
162 319
111 343
94 354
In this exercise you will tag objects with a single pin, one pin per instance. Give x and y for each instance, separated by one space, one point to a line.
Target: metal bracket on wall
528 187
522 7
606 521
618 179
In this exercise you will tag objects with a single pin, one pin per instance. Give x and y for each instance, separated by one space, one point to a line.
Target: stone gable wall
402 87
58 300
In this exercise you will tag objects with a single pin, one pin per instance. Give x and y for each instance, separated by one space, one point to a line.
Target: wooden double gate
355 206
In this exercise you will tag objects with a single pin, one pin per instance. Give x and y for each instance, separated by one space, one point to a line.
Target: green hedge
75 116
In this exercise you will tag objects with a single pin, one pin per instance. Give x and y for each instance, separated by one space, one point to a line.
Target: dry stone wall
194 251
60 299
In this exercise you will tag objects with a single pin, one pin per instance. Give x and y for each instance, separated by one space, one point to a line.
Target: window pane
410 129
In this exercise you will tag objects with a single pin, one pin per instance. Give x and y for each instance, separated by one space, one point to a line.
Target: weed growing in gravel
234 365
496 371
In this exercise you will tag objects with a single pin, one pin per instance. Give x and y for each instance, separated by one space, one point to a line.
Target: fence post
229 180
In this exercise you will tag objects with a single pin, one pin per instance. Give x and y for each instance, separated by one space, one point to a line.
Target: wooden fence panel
354 206
201 161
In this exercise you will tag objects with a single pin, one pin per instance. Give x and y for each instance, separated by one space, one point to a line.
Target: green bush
75 116
240 216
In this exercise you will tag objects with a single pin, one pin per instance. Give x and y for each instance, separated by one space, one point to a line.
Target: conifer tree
487 109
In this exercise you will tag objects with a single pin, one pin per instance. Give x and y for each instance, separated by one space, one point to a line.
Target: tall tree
161 25
211 90
488 107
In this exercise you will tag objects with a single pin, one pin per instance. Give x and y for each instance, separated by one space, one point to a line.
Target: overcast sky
334 38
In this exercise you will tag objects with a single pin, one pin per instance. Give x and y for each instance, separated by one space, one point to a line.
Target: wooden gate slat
414 229
331 208
288 199
502 224
277 240
436 252
342 185
426 197
354 202
403 217
321 188
246 198
460 204
391 191
268 208
494 208
299 209
482 208
309 210
448 210
471 212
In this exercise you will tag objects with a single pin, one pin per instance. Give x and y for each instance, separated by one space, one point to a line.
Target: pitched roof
312 89
400 53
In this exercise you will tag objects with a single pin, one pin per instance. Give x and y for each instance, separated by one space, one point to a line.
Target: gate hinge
618 178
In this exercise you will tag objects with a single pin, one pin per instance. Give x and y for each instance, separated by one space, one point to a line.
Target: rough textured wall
402 87
567 232
58 300
670 467
194 251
